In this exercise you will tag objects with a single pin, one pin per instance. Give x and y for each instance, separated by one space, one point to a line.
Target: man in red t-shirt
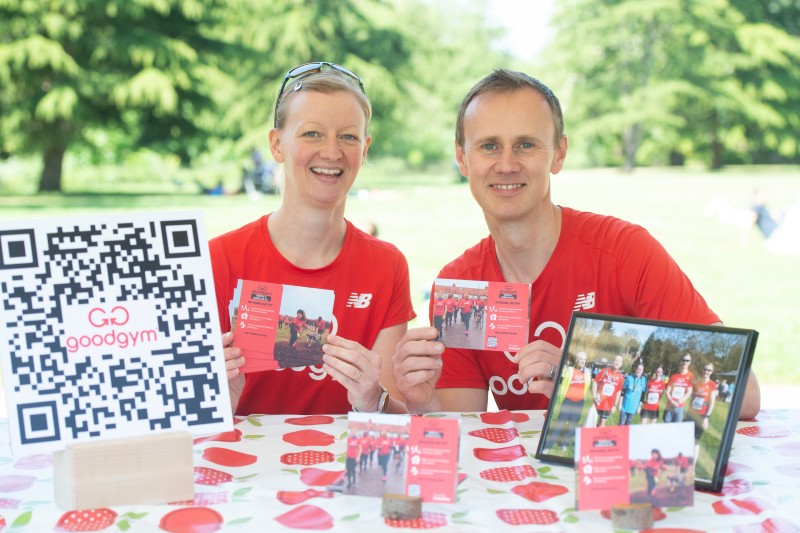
652 397
449 307
509 141
351 456
438 315
606 389
704 397
679 389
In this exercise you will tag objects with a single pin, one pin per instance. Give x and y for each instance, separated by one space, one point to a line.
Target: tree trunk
631 139
51 172
716 144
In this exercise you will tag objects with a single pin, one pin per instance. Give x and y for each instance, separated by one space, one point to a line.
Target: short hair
326 82
506 81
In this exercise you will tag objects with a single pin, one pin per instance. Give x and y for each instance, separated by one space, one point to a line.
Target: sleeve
223 292
655 285
401 309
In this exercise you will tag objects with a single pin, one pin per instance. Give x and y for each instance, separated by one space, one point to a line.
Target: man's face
686 360
617 362
639 370
509 153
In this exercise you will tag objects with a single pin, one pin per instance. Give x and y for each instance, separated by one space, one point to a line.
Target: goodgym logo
100 328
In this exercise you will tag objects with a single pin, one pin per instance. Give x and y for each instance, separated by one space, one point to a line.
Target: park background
133 105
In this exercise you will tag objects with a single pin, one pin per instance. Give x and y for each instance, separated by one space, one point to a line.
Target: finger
227 339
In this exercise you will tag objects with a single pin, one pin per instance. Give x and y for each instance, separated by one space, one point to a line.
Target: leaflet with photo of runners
481 315
401 454
634 464
280 326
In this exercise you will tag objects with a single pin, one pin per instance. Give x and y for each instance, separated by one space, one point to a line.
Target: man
509 140
704 398
630 401
679 389
606 389
652 398
577 379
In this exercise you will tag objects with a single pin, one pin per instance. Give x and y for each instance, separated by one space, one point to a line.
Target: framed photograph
621 370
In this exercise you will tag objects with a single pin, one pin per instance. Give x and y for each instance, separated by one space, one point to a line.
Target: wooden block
632 516
401 507
153 469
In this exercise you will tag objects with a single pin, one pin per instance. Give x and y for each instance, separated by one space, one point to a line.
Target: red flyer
433 459
652 463
280 326
481 315
413 455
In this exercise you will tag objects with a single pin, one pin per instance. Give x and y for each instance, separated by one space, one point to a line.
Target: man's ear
560 156
461 159
275 145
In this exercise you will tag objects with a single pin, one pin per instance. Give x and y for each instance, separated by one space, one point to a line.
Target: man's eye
526 145
349 137
489 146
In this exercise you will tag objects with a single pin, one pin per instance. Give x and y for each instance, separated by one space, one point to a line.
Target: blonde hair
326 82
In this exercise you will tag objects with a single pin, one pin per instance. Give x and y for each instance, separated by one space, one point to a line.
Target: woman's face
323 144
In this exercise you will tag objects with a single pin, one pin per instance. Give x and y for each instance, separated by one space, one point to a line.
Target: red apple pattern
309 437
311 420
227 436
306 517
319 477
498 435
308 457
509 453
503 417
517 517
743 506
295 497
771 525
537 491
764 432
508 473
228 457
210 476
192 520
86 520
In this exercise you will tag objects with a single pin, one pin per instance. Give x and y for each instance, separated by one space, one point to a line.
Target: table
277 492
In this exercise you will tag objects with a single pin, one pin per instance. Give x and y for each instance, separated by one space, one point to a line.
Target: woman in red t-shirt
296 326
652 468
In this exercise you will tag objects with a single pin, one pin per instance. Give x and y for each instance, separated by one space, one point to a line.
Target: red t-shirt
600 264
701 396
652 395
449 305
609 383
371 285
466 306
576 391
438 308
353 448
680 384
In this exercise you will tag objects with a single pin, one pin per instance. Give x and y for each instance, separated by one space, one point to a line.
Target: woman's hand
417 365
233 362
538 365
356 368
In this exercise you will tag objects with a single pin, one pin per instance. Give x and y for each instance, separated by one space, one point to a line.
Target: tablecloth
272 473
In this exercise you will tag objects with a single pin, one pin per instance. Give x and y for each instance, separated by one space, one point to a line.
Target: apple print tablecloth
272 472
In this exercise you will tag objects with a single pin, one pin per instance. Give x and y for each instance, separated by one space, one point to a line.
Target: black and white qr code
491 342
109 328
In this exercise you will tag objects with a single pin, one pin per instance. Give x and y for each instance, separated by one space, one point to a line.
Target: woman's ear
275 145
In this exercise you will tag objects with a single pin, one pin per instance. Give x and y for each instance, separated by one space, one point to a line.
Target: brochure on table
280 326
651 463
402 454
481 315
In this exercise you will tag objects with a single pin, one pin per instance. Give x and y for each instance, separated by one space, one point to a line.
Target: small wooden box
401 507
632 516
153 469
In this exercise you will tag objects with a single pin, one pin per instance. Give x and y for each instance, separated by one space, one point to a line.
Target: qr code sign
491 342
108 328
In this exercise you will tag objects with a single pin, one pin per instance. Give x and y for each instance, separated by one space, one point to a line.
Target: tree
146 67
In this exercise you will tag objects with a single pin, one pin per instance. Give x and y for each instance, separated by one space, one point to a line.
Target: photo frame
683 352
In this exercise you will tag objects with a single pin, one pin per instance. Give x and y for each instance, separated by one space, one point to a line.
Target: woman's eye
311 134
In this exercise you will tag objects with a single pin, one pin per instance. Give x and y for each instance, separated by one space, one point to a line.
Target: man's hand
417 363
538 361
233 362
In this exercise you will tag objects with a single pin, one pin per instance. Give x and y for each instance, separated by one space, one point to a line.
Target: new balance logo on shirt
584 302
359 301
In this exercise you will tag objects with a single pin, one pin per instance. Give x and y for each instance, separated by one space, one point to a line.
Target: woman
577 379
296 326
652 468
320 137
652 398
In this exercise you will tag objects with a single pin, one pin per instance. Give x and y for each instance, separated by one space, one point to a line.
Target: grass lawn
432 219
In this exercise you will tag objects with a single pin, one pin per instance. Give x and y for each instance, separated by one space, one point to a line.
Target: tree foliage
666 80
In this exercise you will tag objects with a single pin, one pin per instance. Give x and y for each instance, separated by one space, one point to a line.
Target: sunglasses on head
686 360
306 70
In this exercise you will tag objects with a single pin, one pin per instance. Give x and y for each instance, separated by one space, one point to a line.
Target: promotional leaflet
280 326
651 463
481 315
